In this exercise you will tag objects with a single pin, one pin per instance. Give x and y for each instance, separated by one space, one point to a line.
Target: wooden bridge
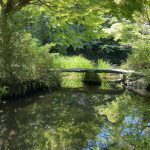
91 74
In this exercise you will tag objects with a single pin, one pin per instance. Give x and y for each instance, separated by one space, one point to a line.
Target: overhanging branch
47 5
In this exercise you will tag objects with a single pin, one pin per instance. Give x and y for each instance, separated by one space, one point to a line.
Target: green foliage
24 63
104 48
59 22
64 16
72 62
72 80
40 28
103 64
3 91
128 7
60 61
77 7
138 37
140 58
29 61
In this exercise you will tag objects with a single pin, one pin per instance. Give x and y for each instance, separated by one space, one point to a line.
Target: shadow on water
81 118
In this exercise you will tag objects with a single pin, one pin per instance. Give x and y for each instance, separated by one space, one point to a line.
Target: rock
92 78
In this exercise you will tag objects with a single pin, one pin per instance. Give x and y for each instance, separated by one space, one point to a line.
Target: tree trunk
6 48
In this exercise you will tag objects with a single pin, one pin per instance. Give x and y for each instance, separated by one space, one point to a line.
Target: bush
29 67
140 58
32 62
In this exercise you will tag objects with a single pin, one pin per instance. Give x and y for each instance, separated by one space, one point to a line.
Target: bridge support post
91 77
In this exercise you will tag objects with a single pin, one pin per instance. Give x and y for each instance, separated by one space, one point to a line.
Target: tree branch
44 3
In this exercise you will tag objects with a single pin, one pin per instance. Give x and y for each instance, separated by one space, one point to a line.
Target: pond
76 118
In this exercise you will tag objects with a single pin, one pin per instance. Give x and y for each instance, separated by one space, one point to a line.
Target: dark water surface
76 119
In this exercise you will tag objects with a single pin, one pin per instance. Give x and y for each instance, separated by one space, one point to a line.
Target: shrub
140 58
29 67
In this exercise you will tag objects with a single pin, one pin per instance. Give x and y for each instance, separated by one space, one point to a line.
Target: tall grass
71 62
77 62
103 64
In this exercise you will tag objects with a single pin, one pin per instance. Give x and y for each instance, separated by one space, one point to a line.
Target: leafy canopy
78 7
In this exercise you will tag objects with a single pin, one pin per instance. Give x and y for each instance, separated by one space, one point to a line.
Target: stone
92 78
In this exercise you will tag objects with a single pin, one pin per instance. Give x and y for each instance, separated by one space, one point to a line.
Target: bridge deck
96 70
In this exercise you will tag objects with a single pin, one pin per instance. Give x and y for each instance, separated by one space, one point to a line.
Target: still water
81 118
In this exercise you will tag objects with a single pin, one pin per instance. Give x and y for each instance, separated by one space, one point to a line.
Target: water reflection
76 119
128 125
